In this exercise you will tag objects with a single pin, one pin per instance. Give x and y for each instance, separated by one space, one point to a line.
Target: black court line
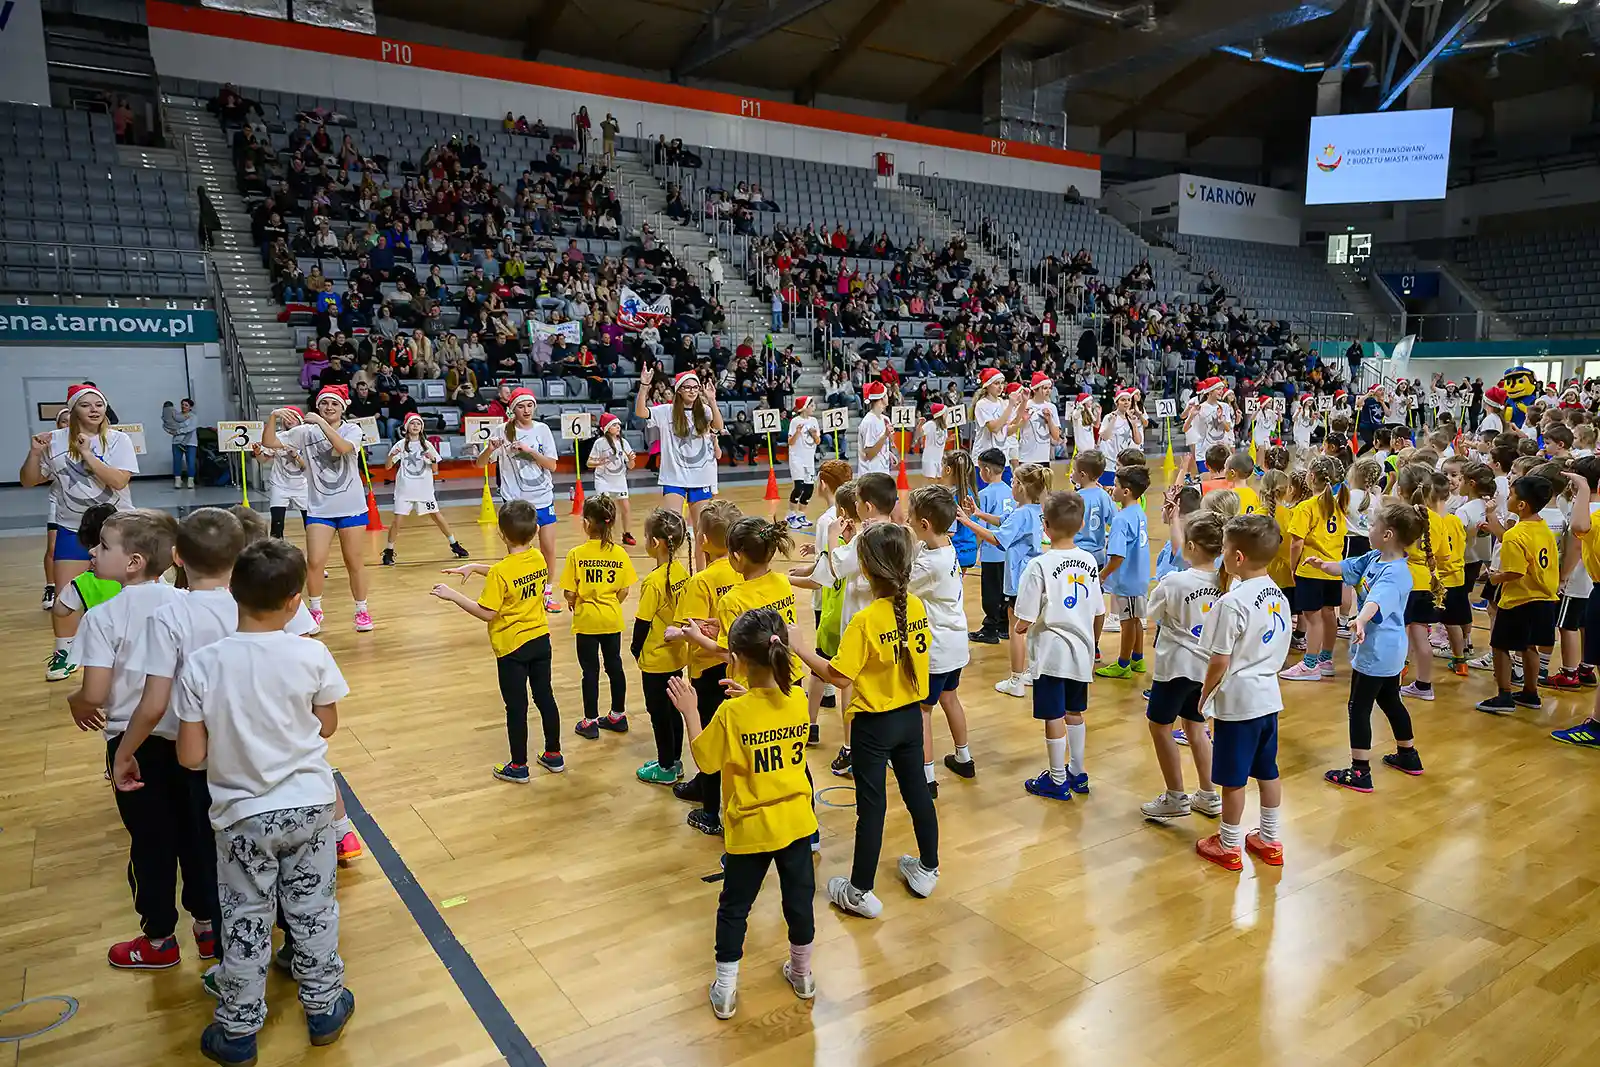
480 995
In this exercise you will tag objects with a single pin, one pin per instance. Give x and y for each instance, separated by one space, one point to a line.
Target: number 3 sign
238 436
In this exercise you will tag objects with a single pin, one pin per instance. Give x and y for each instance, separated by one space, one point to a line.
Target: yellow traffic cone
1168 464
1253 460
486 512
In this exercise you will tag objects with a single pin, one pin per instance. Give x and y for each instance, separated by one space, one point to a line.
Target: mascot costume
1522 388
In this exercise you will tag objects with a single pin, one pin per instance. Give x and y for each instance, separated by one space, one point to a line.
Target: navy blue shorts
1513 630
693 495
1244 750
1056 698
347 522
1314 594
1420 609
1172 700
68 549
945 682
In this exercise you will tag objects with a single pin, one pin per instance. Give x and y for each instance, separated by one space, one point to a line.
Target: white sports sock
1232 837
342 827
316 603
1269 824
727 975
361 605
963 754
64 644
927 771
1056 749
1076 735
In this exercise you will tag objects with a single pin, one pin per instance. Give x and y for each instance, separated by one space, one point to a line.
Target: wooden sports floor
1448 919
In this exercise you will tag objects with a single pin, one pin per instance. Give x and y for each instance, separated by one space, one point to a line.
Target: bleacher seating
806 193
1278 281
1547 282
74 221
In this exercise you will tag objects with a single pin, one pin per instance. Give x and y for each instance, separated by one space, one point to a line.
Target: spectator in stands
609 128
329 310
458 375
1353 356
581 128
337 372
386 325
500 406
364 402
180 425
313 362
400 404
476 356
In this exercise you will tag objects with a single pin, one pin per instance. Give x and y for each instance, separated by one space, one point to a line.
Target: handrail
232 354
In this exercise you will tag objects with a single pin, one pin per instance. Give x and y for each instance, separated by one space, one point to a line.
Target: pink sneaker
551 604
316 620
363 622
1300 672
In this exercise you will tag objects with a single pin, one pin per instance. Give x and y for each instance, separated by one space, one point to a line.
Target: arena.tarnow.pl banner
32 324
24 79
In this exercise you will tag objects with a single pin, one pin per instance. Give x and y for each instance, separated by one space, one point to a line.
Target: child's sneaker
724 1000
804 985
841 763
707 822
1027 678
1458 666
551 604
1499 704
1480 605
805 523
983 637
918 878
1404 759
1079 783
459 550
1350 778
48 601
1211 848
205 943
1325 668
1527 700
1586 676
847 897
348 850
1585 735
1180 737
933 789
1268 852
326 1028
516 773
143 954
617 724
588 729
1484 662
1013 686
1113 625
388 558
814 738
552 762
1416 693
1301 672
363 621
1110 670
1166 806
1343 632
1207 804
208 981
218 1047
655 774
1561 680
1298 642
316 622
961 769
1139 666
1047 787
60 666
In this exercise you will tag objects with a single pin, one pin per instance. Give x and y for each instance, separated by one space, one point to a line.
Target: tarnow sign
24 79
1238 211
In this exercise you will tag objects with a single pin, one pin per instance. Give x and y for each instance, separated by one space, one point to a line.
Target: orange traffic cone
577 497
374 518
772 484
901 482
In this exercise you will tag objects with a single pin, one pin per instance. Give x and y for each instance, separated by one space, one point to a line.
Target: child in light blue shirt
1125 576
1020 537
1097 506
994 502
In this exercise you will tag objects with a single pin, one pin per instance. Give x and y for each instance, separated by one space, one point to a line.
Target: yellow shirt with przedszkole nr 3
659 594
757 742
598 573
701 594
871 656
771 590
514 590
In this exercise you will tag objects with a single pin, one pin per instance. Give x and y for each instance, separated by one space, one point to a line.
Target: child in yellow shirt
883 655
1316 531
755 743
1237 474
701 594
661 660
519 633
1528 577
1449 540
595 581
752 544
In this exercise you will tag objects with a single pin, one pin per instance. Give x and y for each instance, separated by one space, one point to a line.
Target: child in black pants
993 499
659 659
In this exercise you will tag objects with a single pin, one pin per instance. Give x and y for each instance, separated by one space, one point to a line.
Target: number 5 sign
482 431
238 436
766 420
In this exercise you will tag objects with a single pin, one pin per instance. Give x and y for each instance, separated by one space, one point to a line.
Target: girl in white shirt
1082 423
931 438
875 452
1265 423
525 456
415 461
1305 417
805 435
1041 427
688 429
1120 430
991 412
611 459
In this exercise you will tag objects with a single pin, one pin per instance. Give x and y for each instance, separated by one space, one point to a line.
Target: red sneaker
205 942
1586 676
1211 848
1563 680
143 954
1268 852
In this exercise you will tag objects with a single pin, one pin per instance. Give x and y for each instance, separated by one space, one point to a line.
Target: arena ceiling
1198 67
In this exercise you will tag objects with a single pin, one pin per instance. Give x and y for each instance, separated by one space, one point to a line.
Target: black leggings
591 647
741 882
529 667
278 515
877 741
801 493
1364 690
665 721
708 687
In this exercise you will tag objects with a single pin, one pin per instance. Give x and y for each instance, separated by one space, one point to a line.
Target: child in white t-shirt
255 710
931 437
936 581
1179 606
1058 603
415 461
286 480
805 434
611 458
1247 637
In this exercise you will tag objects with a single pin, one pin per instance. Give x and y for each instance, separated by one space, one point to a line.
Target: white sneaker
724 1004
1484 662
188 483
828 690
1204 803
1012 687
847 897
918 878
805 986
177 483
1166 806
1027 677
1300 672
1113 625
1416 694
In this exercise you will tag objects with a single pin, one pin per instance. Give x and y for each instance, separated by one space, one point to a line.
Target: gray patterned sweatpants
278 859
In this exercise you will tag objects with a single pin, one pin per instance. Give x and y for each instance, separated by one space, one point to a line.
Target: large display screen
1378 157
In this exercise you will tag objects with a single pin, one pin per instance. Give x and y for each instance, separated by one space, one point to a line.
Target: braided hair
600 519
958 466
761 637
1414 488
1325 473
1274 483
886 553
669 528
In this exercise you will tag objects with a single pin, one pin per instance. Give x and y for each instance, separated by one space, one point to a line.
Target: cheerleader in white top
1082 424
1122 429
1264 424
688 429
931 438
875 452
1305 417
526 459
805 437
611 459
415 461
1040 432
286 480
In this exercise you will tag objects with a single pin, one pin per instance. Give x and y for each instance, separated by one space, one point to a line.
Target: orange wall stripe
169 16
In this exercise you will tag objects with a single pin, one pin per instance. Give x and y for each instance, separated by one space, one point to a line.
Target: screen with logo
1378 157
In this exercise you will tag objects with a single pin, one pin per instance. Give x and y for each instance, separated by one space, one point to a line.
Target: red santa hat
76 393
1084 398
341 393
1209 384
1012 388
1039 378
875 391
685 378
1495 397
1126 394
606 420
989 374
412 417
803 403
518 395
1338 394
937 409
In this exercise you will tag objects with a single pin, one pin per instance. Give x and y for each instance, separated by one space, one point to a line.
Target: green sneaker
1139 666
655 774
60 667
1113 670
208 982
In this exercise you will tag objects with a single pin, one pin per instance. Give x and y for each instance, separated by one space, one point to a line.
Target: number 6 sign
238 436
577 426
